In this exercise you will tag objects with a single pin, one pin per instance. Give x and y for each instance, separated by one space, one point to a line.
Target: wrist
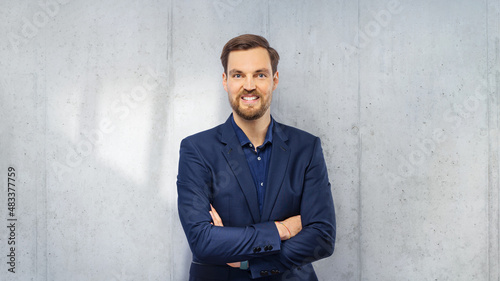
283 230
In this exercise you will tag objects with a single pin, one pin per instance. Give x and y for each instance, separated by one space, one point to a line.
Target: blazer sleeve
316 240
212 244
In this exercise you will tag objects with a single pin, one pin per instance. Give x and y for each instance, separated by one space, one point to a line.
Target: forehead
249 60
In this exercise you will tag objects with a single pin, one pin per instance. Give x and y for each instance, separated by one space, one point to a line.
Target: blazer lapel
277 169
235 158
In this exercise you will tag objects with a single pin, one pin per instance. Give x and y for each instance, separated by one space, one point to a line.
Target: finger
213 210
234 264
216 214
216 218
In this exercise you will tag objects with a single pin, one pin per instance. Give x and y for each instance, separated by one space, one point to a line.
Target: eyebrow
262 70
233 71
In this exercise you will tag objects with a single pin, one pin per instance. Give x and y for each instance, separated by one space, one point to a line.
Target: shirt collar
244 139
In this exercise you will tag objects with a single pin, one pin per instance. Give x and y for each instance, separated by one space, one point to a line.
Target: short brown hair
246 42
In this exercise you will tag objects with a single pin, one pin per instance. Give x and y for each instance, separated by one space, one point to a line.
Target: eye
262 75
237 76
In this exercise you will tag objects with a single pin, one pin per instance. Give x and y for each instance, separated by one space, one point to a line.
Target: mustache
254 92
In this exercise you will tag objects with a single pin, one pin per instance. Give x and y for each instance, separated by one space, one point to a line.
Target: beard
250 113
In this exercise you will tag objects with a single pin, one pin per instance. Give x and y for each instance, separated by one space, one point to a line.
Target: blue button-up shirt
258 161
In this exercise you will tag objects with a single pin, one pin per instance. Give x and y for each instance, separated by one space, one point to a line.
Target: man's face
250 82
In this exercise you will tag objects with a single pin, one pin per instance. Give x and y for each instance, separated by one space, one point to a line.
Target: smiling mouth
249 98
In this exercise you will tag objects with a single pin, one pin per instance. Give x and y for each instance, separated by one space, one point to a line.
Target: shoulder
299 141
200 147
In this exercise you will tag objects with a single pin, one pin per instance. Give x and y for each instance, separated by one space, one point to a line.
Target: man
253 195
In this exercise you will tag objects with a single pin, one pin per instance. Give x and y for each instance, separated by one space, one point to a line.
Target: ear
224 80
276 80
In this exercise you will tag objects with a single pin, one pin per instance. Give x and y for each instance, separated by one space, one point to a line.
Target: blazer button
256 249
275 271
264 273
268 248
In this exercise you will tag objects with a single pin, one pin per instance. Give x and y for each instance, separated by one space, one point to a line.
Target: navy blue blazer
213 170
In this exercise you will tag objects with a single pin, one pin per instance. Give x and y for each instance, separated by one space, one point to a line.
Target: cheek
233 89
267 88
230 91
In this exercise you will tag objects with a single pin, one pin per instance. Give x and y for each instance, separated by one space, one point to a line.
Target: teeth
250 98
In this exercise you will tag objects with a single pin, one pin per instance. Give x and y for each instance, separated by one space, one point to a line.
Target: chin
250 116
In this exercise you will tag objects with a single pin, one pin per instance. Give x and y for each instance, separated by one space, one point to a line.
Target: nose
249 83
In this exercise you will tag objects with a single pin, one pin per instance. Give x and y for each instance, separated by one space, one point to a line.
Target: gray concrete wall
95 97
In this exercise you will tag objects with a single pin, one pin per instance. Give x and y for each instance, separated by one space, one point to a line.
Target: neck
255 130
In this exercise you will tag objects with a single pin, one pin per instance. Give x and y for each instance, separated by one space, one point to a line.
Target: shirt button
258 158
261 184
250 145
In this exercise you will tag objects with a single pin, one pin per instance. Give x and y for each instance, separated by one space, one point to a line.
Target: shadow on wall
111 189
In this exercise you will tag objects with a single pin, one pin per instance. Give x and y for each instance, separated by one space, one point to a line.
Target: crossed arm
286 229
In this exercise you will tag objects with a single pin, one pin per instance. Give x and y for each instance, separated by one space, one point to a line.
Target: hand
289 227
234 264
217 221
